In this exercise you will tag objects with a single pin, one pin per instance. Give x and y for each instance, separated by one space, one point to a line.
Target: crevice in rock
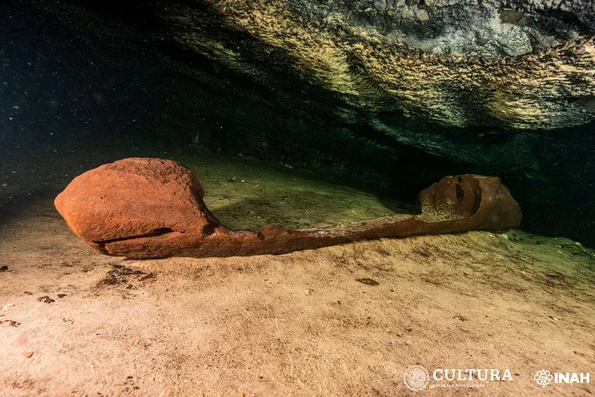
157 232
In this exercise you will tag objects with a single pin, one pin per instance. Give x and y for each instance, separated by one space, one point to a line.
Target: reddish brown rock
475 202
153 208
135 198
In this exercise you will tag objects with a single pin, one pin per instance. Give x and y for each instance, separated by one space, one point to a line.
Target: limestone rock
456 63
153 208
501 63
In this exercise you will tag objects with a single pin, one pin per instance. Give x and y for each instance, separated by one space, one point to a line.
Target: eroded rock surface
153 208
457 63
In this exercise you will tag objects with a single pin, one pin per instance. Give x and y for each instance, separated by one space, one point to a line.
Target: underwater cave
302 197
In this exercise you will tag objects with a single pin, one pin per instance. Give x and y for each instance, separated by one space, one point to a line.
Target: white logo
416 377
543 378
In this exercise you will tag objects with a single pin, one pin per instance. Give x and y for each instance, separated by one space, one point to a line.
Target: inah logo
416 377
543 378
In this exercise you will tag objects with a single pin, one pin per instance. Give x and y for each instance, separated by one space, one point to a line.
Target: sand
339 321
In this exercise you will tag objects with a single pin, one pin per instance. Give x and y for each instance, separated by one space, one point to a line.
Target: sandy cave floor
304 324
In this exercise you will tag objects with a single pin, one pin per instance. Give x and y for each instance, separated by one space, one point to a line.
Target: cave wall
438 68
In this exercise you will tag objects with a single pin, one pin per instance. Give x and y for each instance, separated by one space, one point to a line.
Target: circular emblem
416 377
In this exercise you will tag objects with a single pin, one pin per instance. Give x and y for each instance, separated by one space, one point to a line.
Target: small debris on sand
367 281
120 275
11 323
45 299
